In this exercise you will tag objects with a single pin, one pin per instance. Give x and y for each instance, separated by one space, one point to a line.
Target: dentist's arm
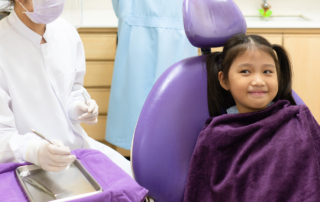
15 147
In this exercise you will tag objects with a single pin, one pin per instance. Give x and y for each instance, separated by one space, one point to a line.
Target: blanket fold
272 155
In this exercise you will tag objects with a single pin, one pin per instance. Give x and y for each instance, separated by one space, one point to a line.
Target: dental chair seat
176 108
168 127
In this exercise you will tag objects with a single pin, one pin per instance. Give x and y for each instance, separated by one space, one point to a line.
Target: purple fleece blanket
116 184
272 156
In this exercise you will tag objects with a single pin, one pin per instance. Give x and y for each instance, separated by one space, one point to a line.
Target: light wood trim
272 38
99 46
101 96
99 74
304 51
97 30
249 30
219 49
283 31
97 131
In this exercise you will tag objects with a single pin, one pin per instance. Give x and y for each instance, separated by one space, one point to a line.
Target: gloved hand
48 156
85 113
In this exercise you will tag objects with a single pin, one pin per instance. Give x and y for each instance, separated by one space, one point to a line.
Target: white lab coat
38 83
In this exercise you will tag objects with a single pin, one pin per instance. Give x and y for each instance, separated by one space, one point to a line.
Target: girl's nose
257 81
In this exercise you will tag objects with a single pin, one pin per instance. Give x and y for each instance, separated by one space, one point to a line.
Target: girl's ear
222 81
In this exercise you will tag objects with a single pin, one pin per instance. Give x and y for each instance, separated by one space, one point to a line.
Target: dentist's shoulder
62 25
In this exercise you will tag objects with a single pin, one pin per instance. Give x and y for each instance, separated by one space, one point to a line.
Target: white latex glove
48 156
86 113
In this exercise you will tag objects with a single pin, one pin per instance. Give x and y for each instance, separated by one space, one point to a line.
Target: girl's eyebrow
268 65
250 65
244 65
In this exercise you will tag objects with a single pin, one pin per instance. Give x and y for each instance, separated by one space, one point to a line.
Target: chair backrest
176 108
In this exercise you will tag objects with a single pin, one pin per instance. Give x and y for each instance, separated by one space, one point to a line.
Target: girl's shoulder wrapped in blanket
269 155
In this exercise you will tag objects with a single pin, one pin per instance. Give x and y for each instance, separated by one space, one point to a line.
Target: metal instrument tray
72 183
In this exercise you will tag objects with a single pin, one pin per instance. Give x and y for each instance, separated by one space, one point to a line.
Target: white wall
248 7
97 5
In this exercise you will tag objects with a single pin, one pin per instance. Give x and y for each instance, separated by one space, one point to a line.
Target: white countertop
108 19
99 19
305 21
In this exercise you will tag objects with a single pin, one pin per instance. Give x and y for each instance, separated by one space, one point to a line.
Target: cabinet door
99 46
99 74
304 53
97 131
101 96
273 38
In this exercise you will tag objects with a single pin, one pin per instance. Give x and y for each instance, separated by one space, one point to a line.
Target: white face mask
45 11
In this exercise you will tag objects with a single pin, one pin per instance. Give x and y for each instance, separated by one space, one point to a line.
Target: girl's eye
245 71
267 71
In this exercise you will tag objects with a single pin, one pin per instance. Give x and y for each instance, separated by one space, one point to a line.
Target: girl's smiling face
252 81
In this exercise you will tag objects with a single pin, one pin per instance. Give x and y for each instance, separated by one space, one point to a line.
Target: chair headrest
210 23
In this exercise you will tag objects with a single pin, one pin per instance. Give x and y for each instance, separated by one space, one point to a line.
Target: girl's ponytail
284 75
216 95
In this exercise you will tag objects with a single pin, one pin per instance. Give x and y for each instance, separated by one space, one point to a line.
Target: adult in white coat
42 66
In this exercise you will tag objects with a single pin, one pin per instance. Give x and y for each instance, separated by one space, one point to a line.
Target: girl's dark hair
218 97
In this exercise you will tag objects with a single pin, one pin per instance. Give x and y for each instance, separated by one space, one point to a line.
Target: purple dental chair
176 108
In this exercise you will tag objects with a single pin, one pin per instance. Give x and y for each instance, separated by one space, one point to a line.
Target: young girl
42 66
266 148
